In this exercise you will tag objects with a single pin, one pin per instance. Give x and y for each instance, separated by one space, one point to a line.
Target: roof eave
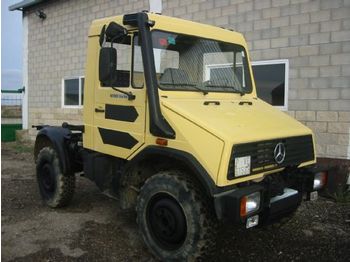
24 4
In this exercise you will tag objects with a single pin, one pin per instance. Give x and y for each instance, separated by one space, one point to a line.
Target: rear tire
175 218
56 188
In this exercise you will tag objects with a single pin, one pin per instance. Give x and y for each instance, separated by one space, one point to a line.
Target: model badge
118 96
279 153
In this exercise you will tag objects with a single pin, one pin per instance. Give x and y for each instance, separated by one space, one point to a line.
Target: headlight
250 204
320 180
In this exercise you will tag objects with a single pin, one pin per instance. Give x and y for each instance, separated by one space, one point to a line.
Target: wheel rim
47 181
166 221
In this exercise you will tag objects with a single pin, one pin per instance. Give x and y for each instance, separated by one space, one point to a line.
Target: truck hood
237 121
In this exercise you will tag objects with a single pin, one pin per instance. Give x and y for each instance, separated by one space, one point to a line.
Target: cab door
119 123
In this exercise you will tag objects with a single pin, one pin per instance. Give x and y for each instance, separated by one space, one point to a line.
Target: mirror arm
130 95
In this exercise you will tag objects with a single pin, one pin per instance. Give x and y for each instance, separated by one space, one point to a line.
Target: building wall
57 49
313 34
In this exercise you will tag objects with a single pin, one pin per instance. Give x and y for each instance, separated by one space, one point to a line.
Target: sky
11 46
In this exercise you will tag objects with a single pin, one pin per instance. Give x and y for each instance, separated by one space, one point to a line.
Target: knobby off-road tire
56 188
176 219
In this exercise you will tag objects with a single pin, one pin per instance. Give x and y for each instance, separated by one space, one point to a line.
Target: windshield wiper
186 84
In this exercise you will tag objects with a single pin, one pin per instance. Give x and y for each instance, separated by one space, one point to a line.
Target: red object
163 41
324 178
243 211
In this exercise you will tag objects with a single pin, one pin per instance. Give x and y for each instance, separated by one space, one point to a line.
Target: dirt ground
93 228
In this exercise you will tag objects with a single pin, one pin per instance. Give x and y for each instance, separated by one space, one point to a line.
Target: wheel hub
167 221
47 179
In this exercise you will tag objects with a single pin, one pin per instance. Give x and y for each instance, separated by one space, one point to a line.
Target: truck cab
173 126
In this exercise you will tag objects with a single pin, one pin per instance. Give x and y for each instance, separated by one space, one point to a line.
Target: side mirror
108 55
107 65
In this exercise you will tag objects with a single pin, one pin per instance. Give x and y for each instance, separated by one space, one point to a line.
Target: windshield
190 63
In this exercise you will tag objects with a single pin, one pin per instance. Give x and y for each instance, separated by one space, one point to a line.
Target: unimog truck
187 147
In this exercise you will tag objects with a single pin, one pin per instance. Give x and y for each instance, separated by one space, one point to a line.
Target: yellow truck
185 146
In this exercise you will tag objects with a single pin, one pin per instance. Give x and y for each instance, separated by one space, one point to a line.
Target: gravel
94 228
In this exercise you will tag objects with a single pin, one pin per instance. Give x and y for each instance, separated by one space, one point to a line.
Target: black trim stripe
117 138
121 113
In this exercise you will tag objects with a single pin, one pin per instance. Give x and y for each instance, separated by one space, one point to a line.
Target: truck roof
177 25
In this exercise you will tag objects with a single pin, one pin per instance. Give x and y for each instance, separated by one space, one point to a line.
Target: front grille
298 149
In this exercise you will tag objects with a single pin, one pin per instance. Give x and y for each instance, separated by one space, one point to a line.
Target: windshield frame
231 90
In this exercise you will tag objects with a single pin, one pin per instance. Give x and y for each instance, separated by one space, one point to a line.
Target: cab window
137 75
123 48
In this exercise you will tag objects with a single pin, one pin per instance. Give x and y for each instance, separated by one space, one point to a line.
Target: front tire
56 188
175 218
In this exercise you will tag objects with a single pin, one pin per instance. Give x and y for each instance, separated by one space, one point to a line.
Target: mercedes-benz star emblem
279 153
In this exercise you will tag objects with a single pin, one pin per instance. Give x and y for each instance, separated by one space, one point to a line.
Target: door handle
99 110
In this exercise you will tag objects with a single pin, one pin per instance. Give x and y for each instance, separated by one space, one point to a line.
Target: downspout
25 72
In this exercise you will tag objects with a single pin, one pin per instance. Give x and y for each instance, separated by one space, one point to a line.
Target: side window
122 76
73 92
138 76
271 80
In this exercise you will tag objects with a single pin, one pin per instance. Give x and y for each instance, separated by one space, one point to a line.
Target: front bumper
273 206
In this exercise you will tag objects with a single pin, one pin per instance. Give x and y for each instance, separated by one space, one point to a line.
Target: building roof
25 4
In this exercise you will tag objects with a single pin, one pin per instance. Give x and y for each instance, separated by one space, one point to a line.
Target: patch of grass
22 147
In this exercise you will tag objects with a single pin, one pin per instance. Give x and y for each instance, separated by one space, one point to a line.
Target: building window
271 80
73 92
